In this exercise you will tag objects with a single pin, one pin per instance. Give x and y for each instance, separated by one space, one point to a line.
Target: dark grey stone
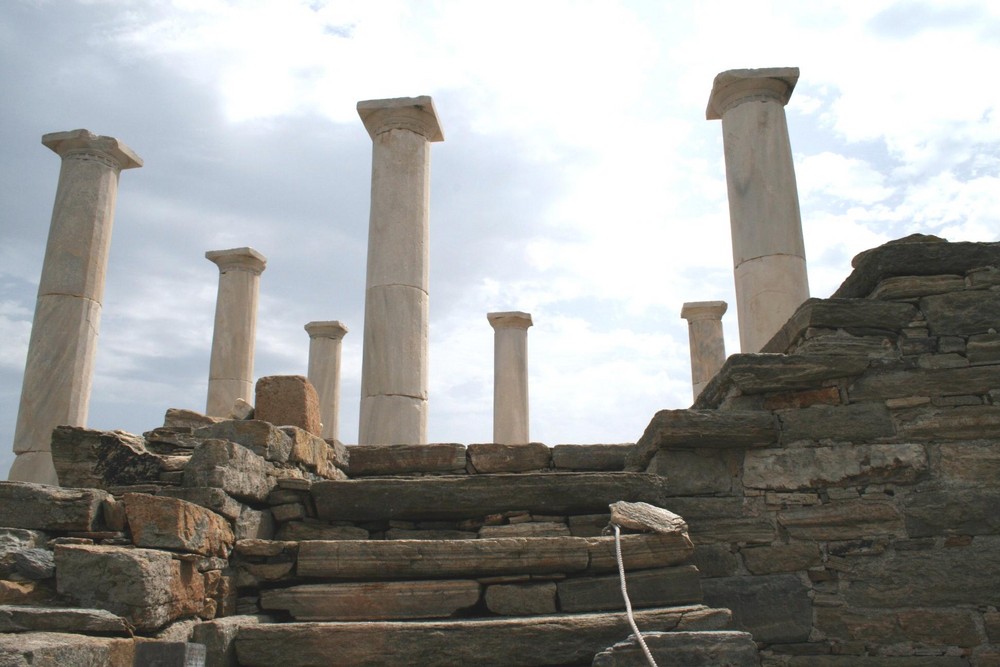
35 563
84 458
397 459
962 313
590 457
896 383
697 429
721 648
952 511
697 472
773 608
665 587
55 619
43 507
260 437
859 422
858 317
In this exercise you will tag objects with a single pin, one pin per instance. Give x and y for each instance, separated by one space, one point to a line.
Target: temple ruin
831 498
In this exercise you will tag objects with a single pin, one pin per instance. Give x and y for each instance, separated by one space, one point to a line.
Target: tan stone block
373 601
498 457
288 400
521 599
168 523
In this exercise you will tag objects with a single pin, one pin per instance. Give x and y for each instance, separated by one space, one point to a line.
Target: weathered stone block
696 429
714 560
45 649
529 529
697 472
684 649
860 422
147 587
859 317
962 313
497 457
55 619
843 520
818 467
639 552
983 349
232 468
663 587
314 530
773 608
724 520
34 564
968 463
792 557
521 599
42 507
208 497
287 400
803 399
180 418
876 386
933 627
963 422
260 437
254 525
84 458
909 287
590 457
373 601
168 523
219 636
396 459
952 511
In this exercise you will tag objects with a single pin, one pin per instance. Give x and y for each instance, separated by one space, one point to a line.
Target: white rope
628 604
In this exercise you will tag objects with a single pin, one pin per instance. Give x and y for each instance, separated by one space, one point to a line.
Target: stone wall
843 491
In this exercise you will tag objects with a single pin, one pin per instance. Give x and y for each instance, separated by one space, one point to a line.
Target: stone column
768 253
60 366
708 347
324 371
230 374
510 377
394 360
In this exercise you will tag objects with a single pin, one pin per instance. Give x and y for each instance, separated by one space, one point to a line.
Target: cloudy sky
579 179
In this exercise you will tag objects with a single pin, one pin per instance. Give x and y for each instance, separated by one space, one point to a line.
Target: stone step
561 639
376 560
460 497
858 317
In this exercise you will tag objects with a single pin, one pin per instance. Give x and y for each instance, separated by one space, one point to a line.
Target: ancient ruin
830 499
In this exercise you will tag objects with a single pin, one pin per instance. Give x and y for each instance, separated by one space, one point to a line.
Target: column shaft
768 250
230 374
394 359
59 370
324 371
708 347
510 377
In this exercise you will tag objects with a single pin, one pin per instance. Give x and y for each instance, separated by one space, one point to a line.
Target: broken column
768 253
230 374
708 347
324 371
59 369
394 360
510 377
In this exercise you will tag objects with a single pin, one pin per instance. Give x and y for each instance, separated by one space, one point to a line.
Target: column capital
86 143
416 114
512 319
246 259
692 311
328 329
736 86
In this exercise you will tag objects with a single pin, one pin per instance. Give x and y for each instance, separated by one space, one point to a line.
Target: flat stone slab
168 523
924 382
684 649
539 640
497 457
859 317
590 457
84 458
43 507
58 619
373 601
460 497
697 429
399 459
662 587
816 467
397 559
65 649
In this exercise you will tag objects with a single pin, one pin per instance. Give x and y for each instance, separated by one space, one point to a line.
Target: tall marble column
394 360
60 366
510 377
708 347
324 371
768 253
230 374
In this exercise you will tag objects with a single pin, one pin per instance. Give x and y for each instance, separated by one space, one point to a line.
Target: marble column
510 377
324 371
768 253
394 359
59 370
708 347
230 374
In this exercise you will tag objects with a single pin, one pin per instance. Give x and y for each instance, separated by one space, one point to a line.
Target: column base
34 467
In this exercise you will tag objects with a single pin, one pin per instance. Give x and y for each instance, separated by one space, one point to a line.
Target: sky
578 181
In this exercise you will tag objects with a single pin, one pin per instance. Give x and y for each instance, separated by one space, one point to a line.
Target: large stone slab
924 382
858 423
963 422
48 649
539 640
373 601
663 587
231 467
521 599
962 313
646 518
818 467
684 649
910 287
433 498
639 552
43 507
56 619
219 637
260 437
86 459
952 511
499 457
698 472
696 429
590 457
208 497
860 317
147 587
844 520
774 608
398 459
168 523
915 255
